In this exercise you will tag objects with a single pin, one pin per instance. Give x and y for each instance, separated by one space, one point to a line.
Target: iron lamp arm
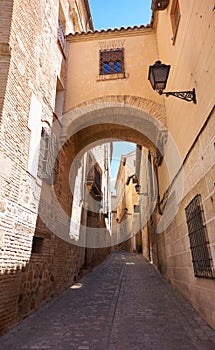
189 96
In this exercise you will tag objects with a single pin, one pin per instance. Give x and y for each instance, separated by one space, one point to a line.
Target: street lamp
158 76
125 212
159 4
137 188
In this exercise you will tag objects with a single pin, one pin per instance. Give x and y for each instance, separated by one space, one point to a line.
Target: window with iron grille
175 16
199 245
94 182
48 162
61 35
111 61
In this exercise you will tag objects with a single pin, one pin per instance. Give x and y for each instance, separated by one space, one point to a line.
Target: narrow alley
122 304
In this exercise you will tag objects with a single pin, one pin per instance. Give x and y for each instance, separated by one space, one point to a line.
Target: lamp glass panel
160 86
160 76
151 78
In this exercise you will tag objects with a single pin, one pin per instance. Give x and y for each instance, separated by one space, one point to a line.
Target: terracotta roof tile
113 29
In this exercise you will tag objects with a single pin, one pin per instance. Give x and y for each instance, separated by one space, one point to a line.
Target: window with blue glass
117 66
111 61
106 67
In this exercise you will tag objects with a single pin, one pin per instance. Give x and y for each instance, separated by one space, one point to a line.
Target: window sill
103 77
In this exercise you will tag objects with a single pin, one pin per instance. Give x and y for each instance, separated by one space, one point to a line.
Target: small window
37 245
111 61
199 245
136 209
175 16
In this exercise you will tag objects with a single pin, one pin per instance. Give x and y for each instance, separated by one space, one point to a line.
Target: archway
127 118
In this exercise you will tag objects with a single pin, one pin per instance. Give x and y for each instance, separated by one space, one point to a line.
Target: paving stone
123 304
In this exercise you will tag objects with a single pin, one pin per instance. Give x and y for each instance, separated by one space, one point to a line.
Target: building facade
91 204
120 101
62 81
36 263
127 202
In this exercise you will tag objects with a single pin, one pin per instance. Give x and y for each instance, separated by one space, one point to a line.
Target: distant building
126 202
91 207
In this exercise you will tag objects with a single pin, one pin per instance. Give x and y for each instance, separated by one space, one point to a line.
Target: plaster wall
174 254
192 126
84 82
192 66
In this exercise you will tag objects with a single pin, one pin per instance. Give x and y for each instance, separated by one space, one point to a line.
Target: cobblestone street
122 304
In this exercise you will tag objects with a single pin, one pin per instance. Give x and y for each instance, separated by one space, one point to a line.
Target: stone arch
113 109
114 117
128 118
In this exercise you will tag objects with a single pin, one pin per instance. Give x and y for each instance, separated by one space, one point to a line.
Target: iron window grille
61 35
111 61
48 163
199 245
94 183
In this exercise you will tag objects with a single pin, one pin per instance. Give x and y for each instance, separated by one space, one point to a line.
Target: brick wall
31 70
6 8
30 66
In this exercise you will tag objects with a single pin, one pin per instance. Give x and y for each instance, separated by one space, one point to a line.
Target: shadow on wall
53 266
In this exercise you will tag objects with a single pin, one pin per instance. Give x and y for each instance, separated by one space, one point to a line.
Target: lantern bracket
189 96
158 75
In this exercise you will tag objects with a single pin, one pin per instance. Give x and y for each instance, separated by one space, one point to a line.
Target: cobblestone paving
123 304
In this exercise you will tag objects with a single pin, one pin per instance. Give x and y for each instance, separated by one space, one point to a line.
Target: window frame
48 168
111 56
60 35
175 16
199 243
37 245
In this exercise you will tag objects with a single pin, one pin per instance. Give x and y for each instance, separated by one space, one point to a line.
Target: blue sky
119 148
120 13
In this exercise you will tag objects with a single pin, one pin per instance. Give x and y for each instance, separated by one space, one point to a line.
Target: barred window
199 245
94 181
111 61
48 162
61 35
175 16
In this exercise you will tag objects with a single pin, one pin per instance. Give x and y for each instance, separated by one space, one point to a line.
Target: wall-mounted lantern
158 76
137 188
133 177
158 5
125 212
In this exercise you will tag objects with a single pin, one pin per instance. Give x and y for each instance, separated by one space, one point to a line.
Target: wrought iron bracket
189 96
